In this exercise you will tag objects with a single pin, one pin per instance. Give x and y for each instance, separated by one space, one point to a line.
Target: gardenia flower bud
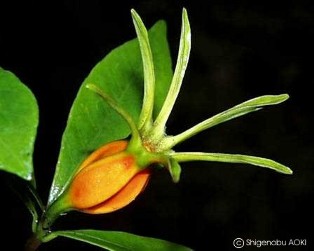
115 174
107 180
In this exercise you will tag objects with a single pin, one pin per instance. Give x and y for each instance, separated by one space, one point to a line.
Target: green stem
33 243
28 195
42 234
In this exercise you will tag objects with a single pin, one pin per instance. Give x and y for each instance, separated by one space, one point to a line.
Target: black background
240 50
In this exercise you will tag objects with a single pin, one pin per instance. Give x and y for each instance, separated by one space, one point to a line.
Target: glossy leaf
92 122
120 241
18 126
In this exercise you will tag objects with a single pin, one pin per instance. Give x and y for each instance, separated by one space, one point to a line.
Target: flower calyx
149 134
116 173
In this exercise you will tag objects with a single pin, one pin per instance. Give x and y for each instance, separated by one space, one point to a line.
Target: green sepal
232 158
174 169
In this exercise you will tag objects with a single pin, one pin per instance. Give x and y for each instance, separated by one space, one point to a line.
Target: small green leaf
18 126
120 241
92 122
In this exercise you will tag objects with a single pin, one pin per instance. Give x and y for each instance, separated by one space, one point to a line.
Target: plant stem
32 243
41 233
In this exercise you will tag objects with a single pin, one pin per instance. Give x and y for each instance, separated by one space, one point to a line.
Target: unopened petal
125 196
99 181
104 151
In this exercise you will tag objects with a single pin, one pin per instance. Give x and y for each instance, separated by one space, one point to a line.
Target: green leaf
91 121
18 126
120 241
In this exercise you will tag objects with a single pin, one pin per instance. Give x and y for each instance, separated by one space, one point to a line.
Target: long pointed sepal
232 158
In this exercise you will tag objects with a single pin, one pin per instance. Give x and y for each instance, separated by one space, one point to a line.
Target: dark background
240 50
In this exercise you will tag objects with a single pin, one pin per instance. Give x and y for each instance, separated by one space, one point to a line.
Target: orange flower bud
107 180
